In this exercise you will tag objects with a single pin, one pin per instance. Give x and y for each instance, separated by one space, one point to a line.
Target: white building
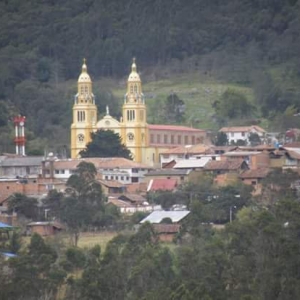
111 168
242 133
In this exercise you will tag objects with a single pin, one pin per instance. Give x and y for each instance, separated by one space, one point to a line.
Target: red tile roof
162 184
111 183
173 128
192 149
223 165
292 145
100 163
242 129
258 173
132 198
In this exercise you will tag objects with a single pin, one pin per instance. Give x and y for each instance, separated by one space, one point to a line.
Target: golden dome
84 76
134 76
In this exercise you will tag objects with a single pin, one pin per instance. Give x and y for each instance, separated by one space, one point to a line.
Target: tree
221 139
106 143
84 200
254 139
174 108
26 206
232 105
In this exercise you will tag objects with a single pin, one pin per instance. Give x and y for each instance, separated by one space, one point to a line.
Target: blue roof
9 254
3 225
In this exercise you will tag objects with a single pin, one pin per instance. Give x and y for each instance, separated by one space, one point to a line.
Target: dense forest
247 42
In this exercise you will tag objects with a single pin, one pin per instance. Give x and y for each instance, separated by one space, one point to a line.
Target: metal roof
22 161
157 216
192 163
3 225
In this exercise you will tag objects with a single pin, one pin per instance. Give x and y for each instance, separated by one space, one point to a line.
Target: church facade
145 141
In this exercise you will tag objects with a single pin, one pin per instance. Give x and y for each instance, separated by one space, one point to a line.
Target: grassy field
198 94
90 239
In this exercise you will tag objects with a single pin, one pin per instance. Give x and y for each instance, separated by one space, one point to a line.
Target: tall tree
106 143
84 201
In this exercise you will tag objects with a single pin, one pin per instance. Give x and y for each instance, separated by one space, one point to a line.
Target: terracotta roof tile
242 129
174 128
162 184
100 163
223 165
132 198
292 145
258 173
136 187
193 149
112 183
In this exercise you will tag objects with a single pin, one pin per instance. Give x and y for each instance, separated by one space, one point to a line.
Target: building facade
144 141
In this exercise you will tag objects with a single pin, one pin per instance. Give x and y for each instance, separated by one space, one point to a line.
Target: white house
110 168
242 133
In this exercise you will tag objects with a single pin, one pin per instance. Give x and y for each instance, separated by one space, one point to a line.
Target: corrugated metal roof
4 225
192 163
22 161
157 216
170 172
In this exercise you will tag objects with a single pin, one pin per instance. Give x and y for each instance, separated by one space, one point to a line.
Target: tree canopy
105 143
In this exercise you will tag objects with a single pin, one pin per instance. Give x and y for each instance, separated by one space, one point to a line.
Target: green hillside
197 93
196 49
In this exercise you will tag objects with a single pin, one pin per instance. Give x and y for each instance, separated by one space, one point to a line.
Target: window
127 178
111 177
193 140
117 177
158 139
179 139
106 177
172 139
253 182
80 116
243 133
134 179
186 139
56 171
135 170
165 139
152 138
122 177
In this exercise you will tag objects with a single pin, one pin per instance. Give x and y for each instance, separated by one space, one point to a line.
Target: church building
145 141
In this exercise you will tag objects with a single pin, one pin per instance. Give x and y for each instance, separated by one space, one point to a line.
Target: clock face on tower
80 137
130 136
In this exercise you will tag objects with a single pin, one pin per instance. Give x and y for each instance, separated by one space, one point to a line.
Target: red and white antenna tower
19 122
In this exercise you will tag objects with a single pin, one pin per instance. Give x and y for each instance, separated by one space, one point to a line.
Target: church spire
134 86
133 66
